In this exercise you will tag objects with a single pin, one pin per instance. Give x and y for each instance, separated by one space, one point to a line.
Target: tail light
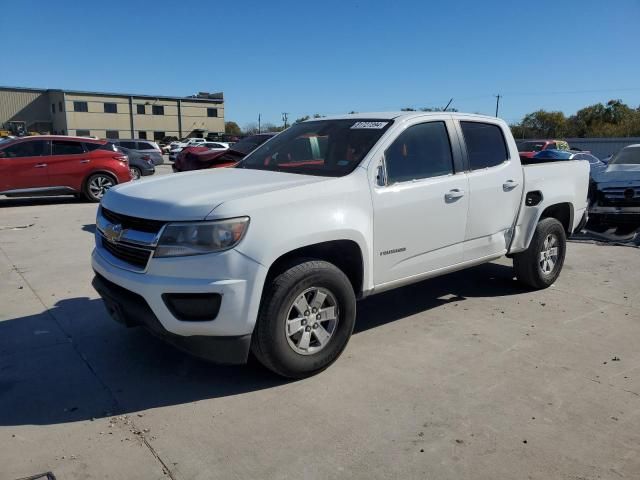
121 158
146 157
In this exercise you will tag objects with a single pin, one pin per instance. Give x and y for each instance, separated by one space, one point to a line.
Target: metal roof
217 97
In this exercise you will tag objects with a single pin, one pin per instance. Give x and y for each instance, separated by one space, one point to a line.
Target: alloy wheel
311 321
99 185
549 254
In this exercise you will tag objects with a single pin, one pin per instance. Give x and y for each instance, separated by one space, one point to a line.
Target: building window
158 135
60 109
112 134
83 133
212 112
110 108
53 108
80 107
157 109
142 134
141 109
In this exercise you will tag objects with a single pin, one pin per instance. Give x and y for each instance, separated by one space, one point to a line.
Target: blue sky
332 56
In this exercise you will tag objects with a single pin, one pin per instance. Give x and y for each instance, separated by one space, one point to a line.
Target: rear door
421 211
25 165
495 185
69 164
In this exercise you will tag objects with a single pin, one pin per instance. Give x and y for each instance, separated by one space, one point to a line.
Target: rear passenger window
421 151
145 146
131 145
63 147
485 144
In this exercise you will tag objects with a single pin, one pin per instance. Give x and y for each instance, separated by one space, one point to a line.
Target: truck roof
403 115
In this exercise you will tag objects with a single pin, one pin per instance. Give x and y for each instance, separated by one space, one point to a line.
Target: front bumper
236 278
131 310
614 215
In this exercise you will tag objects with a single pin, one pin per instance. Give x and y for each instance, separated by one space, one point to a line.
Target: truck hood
625 173
193 195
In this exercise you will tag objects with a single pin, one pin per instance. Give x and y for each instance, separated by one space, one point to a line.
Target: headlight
197 238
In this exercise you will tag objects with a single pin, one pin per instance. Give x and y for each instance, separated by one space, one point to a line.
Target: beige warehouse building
111 115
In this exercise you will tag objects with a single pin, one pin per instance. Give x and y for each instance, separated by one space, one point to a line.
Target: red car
197 158
60 165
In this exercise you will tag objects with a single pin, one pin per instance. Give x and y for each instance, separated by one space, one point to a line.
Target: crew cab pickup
270 256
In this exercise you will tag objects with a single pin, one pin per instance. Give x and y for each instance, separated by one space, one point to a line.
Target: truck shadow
73 363
37 201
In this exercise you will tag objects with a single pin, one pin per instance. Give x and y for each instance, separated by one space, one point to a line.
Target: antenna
445 108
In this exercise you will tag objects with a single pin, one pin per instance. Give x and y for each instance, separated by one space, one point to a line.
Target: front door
24 165
495 184
421 210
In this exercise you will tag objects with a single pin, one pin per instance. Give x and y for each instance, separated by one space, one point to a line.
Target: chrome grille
133 223
127 253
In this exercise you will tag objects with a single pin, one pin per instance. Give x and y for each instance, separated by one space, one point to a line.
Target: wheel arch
344 254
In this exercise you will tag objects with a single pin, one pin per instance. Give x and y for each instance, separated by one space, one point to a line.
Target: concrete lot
463 377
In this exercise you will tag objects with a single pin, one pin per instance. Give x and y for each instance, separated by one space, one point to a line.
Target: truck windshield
327 148
626 156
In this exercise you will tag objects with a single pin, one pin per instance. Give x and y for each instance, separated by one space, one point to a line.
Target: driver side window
421 151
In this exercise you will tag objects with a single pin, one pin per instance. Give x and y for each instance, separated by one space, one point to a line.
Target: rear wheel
97 185
136 173
539 266
306 319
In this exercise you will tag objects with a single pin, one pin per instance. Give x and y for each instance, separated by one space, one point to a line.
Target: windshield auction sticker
373 125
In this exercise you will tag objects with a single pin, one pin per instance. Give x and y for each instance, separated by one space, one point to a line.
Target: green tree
232 128
545 124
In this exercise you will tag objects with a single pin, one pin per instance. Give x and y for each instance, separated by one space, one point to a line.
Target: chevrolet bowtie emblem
113 232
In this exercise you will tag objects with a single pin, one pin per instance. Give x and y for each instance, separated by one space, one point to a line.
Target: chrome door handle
40 165
509 185
453 194
85 161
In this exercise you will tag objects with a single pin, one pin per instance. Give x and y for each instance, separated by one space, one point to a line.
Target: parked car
595 165
140 164
196 158
201 146
186 142
617 189
528 148
60 165
143 146
271 255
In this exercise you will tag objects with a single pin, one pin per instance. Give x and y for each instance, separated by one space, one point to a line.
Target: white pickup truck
270 256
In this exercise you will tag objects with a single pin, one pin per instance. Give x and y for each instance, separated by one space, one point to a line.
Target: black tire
274 347
89 193
530 266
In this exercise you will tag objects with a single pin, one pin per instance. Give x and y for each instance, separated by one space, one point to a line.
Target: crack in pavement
114 401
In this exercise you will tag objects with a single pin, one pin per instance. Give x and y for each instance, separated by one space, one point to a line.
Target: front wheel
539 265
306 319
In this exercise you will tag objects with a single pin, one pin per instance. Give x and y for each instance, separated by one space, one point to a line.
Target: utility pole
259 131
497 103
285 117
